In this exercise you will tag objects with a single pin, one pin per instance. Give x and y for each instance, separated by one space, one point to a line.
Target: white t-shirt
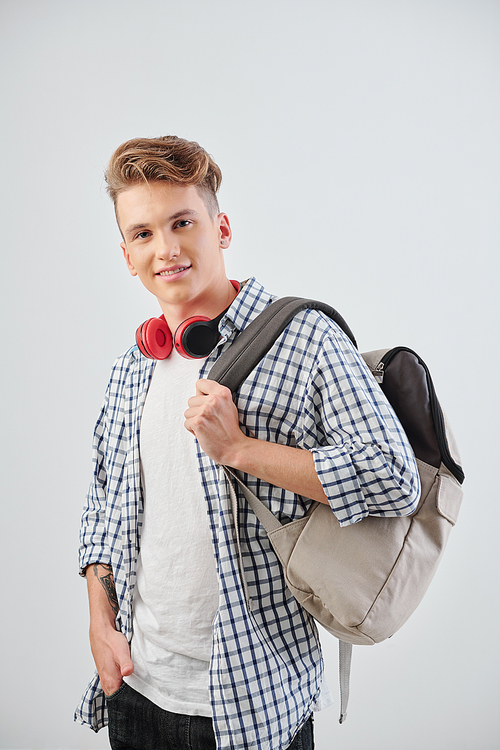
176 595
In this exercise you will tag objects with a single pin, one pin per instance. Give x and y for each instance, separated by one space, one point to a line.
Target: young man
185 657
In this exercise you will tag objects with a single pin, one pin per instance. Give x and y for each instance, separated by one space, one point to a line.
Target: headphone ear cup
154 338
196 337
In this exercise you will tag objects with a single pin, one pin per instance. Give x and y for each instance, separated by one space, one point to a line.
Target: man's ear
224 230
129 263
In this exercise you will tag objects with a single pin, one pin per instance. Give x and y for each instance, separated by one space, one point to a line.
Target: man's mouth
173 271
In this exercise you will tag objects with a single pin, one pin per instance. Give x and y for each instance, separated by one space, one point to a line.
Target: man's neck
210 306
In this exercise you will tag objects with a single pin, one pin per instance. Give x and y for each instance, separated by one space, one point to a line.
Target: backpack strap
253 343
271 523
345 657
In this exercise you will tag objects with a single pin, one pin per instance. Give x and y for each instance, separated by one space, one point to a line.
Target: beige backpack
361 582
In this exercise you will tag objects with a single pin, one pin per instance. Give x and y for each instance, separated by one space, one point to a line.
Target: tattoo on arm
108 583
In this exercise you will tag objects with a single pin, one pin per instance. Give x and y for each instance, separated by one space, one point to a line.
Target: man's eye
183 223
143 235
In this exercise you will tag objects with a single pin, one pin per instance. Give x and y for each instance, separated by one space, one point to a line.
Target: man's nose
167 247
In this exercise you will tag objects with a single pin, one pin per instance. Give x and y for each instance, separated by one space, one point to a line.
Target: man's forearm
281 465
103 602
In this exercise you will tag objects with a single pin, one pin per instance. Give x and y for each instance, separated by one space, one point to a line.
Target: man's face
173 244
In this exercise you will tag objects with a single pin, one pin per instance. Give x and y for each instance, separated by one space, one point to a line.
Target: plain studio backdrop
358 141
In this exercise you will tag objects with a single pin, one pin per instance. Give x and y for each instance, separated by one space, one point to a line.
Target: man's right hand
111 654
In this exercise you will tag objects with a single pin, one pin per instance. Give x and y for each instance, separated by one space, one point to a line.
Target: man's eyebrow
177 215
184 212
134 227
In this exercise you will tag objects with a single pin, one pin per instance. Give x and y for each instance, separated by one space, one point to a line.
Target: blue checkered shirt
312 391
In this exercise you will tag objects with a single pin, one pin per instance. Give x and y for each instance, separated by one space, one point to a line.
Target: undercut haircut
164 159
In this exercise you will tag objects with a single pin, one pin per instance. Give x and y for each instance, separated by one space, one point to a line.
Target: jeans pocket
111 696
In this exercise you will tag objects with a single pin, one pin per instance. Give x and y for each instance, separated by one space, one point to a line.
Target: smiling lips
172 271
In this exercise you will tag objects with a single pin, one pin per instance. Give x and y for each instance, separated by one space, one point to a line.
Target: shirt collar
251 300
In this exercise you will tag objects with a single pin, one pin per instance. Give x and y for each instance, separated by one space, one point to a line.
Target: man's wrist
102 621
240 456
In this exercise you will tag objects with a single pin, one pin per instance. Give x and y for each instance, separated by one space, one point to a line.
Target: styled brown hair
167 158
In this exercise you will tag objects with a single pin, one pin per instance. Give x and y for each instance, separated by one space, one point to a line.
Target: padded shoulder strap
250 346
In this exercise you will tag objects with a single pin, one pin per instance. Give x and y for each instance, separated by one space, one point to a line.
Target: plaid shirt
312 391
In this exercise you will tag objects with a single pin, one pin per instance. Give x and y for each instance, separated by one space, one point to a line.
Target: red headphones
194 338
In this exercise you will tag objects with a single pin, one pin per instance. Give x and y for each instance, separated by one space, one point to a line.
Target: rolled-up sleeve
93 546
362 455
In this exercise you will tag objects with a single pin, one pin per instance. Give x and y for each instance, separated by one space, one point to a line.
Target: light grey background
359 145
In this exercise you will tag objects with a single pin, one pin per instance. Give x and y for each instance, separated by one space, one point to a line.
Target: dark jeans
135 723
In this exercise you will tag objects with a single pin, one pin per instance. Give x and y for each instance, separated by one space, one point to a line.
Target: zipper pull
378 373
